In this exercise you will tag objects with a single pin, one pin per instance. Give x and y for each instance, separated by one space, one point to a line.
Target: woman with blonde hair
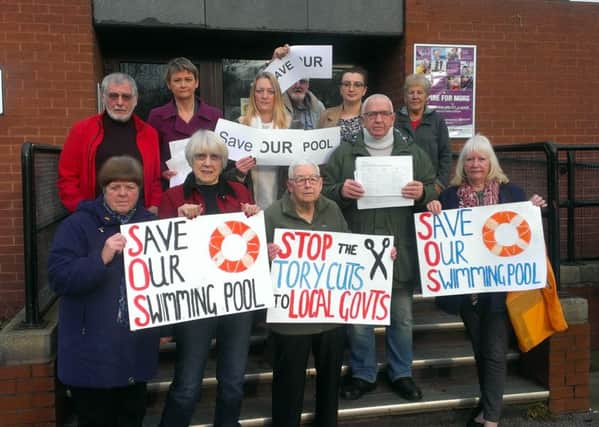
266 110
480 181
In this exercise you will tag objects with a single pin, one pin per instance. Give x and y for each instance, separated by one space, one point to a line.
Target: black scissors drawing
378 263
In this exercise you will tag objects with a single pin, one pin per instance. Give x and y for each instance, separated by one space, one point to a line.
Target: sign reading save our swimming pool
178 269
326 277
482 249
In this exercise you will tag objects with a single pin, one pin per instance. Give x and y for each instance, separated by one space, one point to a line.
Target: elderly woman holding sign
304 208
480 181
105 365
206 192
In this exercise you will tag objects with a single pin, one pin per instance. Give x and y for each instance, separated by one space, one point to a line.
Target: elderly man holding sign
303 207
378 138
480 181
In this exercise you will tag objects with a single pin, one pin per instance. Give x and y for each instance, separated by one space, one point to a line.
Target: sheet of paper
317 59
178 164
287 70
178 146
383 178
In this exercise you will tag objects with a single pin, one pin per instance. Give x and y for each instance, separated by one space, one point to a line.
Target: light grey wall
377 17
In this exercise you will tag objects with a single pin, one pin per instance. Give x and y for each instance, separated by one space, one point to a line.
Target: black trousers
290 358
490 334
112 407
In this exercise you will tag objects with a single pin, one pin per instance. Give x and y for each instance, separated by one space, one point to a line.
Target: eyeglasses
302 180
267 91
374 114
357 85
114 96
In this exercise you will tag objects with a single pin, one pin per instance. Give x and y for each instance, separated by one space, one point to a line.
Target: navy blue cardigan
492 301
93 349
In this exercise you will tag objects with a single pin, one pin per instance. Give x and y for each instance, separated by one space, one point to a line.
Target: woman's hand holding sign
190 211
273 251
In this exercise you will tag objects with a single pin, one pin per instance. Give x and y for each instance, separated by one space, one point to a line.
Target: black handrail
31 228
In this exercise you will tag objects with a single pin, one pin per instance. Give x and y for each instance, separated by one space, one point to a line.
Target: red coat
77 164
230 197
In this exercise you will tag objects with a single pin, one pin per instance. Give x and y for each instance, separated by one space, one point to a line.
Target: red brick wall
537 64
50 66
27 395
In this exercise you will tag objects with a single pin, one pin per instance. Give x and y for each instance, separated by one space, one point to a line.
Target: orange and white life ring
515 220
218 237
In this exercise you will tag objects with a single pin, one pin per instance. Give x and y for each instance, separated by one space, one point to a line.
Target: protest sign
278 147
307 61
179 269
482 249
322 277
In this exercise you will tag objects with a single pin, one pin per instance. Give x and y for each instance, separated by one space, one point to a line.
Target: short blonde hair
480 144
417 80
206 142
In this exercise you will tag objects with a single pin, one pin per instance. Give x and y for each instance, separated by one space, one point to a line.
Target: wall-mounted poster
451 69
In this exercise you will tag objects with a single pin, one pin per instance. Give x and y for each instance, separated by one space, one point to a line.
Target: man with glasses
304 208
301 104
378 138
114 132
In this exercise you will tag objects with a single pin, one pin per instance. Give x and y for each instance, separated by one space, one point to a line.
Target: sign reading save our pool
178 269
325 277
483 249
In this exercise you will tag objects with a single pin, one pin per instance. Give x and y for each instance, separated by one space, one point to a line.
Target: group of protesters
113 171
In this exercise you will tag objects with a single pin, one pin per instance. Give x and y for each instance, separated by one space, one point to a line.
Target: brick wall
537 65
50 66
27 395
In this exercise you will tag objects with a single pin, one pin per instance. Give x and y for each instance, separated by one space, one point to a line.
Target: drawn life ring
515 220
217 239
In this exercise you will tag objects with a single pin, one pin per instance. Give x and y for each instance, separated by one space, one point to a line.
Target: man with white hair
379 138
304 208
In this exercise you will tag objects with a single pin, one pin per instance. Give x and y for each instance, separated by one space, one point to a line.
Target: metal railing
42 212
569 184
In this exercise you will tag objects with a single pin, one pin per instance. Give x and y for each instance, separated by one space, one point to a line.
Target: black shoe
355 388
473 423
407 388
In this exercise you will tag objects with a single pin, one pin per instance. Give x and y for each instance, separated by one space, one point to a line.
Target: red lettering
140 246
302 236
145 271
431 277
328 243
423 218
384 303
343 313
137 301
292 315
286 252
432 258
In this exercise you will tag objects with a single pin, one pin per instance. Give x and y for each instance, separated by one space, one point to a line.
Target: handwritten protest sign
322 277
308 61
179 269
483 249
278 147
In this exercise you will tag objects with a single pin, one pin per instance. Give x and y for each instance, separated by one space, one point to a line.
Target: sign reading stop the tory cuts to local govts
482 249
179 269
322 277
278 147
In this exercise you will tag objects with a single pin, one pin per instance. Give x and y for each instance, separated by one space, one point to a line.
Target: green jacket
282 214
397 221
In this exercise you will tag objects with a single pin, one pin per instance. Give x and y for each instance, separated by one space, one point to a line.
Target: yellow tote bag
536 314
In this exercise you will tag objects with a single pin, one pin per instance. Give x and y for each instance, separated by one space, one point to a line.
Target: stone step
440 394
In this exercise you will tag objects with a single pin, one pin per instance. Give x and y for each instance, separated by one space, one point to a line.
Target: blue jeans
398 342
232 333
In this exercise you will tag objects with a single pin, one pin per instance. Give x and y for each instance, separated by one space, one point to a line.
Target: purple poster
451 70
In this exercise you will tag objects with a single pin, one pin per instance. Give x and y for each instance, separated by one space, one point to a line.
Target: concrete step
440 394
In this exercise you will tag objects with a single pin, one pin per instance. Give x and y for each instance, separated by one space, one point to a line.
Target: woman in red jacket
205 192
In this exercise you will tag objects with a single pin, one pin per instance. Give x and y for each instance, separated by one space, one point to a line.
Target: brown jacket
330 117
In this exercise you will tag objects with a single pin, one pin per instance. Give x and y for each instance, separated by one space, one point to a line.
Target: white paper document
383 178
